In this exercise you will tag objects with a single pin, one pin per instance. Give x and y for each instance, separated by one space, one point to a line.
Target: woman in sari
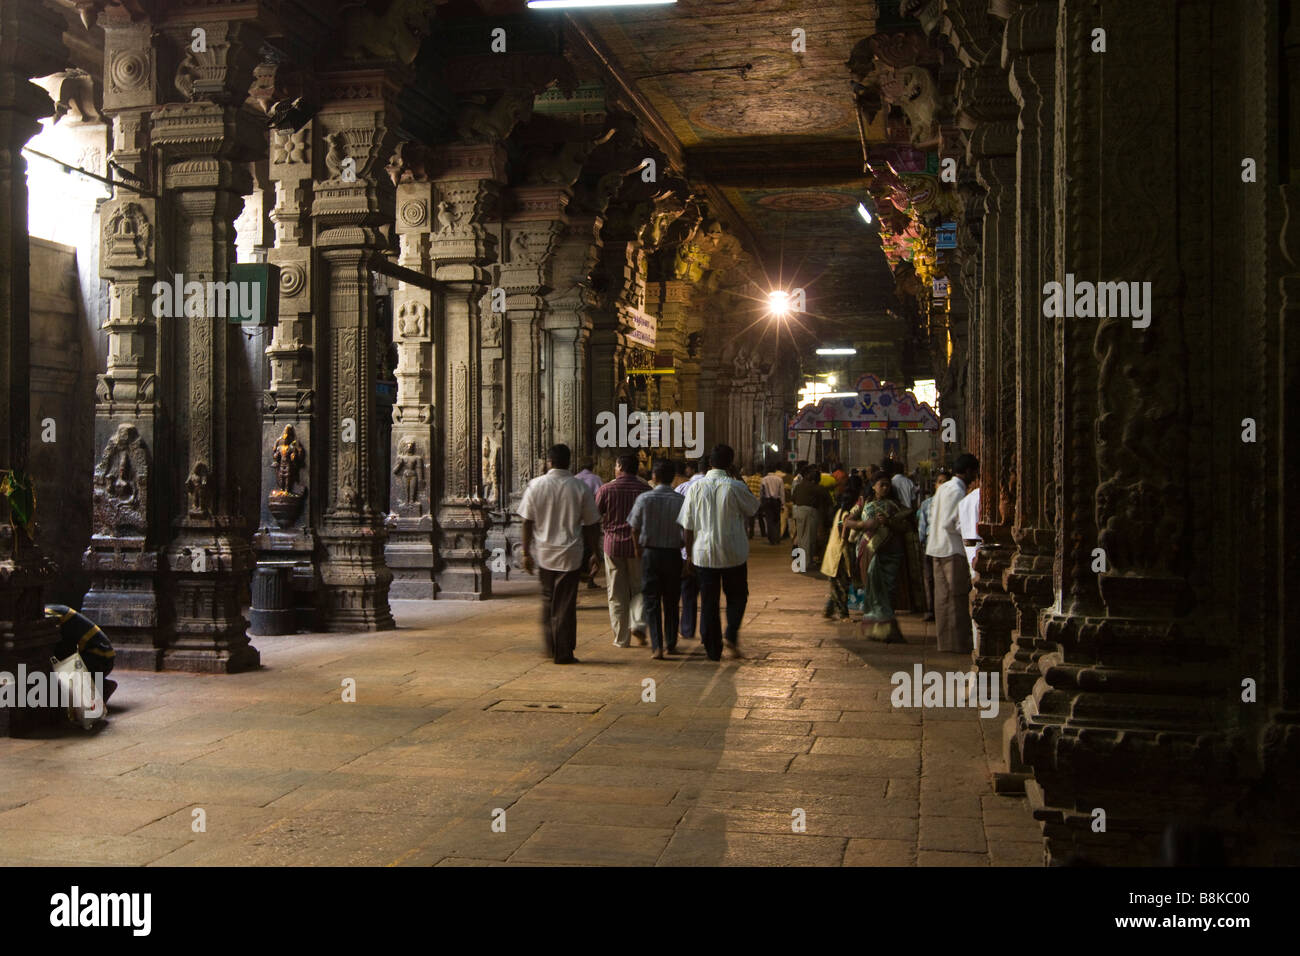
881 522
838 563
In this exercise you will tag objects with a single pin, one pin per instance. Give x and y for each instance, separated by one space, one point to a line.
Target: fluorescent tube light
592 4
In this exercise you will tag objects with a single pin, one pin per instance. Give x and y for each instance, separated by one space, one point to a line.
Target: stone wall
63 389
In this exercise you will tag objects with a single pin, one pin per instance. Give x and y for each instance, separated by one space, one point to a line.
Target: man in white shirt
559 514
713 516
773 503
923 513
968 515
903 487
951 569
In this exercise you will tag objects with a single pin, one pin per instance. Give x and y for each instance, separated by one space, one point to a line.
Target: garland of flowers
18 489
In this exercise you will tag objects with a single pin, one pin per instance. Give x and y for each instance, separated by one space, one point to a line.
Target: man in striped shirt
622 566
659 541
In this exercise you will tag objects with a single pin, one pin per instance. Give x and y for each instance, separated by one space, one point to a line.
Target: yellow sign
651 371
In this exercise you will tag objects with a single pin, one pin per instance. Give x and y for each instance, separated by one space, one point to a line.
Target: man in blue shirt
658 541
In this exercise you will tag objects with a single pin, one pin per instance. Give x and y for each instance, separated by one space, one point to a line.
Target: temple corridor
324 324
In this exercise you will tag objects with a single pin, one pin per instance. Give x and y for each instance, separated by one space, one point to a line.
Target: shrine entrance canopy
876 406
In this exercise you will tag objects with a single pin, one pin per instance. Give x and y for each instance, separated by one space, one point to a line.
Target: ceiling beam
824 163
628 95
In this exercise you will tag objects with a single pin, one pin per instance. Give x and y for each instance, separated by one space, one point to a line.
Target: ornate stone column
532 231
1030 51
30 45
203 143
292 476
467 182
621 272
992 149
410 551
568 323
1134 708
1278 741
131 505
350 210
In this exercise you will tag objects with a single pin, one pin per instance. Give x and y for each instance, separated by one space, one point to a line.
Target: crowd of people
667 548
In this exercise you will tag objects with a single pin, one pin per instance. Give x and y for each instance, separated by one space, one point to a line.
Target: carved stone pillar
410 552
131 504
349 209
993 147
670 300
1278 741
467 181
292 476
1031 51
30 45
532 232
623 269
203 144
1134 708
568 322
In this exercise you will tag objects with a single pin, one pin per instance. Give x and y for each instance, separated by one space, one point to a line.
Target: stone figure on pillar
287 459
447 218
121 489
492 471
198 486
410 470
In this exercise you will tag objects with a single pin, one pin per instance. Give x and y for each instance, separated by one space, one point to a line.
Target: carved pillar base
293 546
410 557
209 574
124 601
354 579
464 575
1278 842
1028 581
991 608
1143 745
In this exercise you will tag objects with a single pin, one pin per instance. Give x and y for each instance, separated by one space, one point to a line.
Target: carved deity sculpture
287 459
491 471
121 486
410 470
129 237
198 486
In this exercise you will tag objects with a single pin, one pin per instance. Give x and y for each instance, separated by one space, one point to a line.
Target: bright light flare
837 351
778 303
865 213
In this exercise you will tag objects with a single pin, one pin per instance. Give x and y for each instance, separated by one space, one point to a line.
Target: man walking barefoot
559 513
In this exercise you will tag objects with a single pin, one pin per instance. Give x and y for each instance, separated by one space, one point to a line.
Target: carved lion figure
394 36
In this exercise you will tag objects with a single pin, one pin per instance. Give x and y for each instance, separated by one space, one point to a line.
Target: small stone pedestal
272 610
